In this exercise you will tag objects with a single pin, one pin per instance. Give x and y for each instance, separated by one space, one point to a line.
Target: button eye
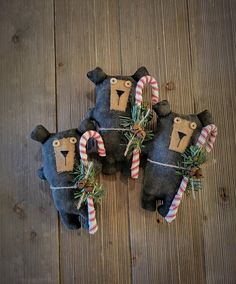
177 120
128 84
56 143
73 140
113 81
193 125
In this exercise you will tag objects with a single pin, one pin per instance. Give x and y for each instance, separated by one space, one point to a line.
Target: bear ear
162 108
142 71
97 75
205 117
40 134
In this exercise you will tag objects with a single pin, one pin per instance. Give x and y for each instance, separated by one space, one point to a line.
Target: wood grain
29 235
46 49
160 40
212 37
87 35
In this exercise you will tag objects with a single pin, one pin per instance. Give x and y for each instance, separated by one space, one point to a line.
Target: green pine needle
139 115
194 157
98 191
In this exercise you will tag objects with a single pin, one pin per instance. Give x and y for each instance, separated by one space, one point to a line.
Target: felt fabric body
63 198
102 116
162 183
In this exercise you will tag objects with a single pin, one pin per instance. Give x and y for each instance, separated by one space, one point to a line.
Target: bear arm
41 174
88 123
205 117
162 108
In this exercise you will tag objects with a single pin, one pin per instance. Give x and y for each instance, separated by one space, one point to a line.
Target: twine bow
196 172
138 131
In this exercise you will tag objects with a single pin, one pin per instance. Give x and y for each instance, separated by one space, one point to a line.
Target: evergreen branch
86 175
137 123
193 158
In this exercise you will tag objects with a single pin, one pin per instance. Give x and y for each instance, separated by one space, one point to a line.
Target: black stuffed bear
114 95
60 152
175 132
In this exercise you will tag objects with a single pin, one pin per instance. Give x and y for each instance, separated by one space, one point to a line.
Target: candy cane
83 142
138 101
92 222
135 164
93 227
140 86
208 137
171 215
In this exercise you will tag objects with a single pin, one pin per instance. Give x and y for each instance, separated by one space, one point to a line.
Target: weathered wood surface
29 251
46 49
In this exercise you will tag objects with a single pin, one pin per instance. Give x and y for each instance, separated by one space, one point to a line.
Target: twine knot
196 172
138 131
84 184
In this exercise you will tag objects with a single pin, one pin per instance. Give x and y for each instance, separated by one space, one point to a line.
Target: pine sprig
193 158
140 116
80 172
97 194
88 175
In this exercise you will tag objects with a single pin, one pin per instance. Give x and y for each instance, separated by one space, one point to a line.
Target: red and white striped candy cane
92 222
135 164
93 227
83 142
207 137
171 215
140 86
138 101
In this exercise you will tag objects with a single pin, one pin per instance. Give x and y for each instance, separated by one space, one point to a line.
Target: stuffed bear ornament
175 133
60 152
113 100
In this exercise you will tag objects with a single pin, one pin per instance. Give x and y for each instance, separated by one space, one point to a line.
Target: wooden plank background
46 49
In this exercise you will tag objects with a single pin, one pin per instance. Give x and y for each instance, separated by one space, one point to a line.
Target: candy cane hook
83 142
207 137
138 101
140 86
92 222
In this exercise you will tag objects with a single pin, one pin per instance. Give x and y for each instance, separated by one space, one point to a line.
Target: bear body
175 132
60 152
113 99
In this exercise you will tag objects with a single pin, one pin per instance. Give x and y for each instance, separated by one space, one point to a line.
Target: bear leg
164 208
124 168
148 202
83 217
109 165
41 174
71 221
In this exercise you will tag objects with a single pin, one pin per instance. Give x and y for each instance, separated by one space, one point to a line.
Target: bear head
60 152
115 92
175 132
